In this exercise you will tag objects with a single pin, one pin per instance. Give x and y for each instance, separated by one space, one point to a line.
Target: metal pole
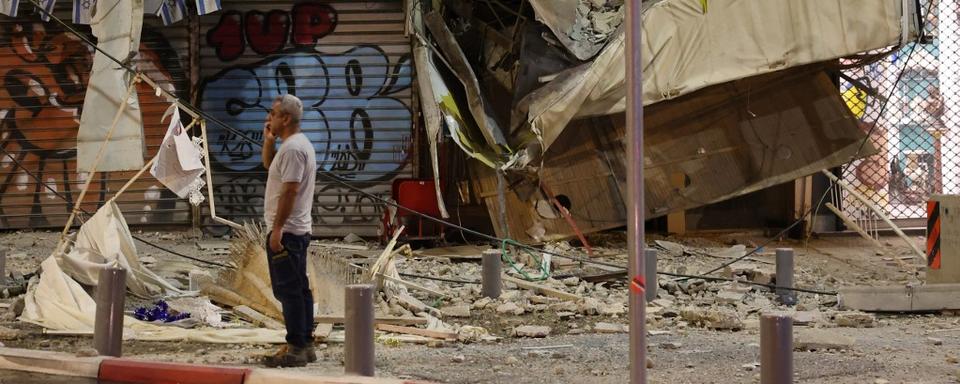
785 276
358 348
108 324
491 273
635 203
776 349
650 271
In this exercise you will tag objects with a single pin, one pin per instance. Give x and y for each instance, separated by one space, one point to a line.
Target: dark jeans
288 276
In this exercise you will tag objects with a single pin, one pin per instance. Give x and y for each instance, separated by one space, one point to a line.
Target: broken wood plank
604 276
417 331
349 247
326 319
925 298
257 318
322 332
463 252
541 289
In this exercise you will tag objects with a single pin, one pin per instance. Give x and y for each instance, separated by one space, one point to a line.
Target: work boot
287 356
311 353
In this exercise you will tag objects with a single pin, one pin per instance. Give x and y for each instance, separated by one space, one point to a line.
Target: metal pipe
358 348
776 348
785 276
492 268
635 200
650 271
108 323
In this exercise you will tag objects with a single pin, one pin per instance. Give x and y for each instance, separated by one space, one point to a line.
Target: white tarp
178 165
686 48
105 240
117 25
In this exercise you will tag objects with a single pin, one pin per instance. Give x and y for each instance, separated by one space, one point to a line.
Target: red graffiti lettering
267 33
311 22
227 37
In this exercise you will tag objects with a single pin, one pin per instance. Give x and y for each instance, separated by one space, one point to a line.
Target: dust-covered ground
702 331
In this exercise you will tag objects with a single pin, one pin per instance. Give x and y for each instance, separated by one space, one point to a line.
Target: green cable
544 271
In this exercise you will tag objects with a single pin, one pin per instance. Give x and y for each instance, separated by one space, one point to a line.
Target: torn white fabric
686 48
104 240
117 25
432 120
55 301
179 164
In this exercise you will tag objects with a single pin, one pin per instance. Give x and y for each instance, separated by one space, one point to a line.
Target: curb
132 371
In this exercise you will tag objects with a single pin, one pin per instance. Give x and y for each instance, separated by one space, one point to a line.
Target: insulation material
117 25
582 26
105 240
58 302
687 47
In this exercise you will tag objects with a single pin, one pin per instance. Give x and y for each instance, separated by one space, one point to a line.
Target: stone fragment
730 297
541 299
588 306
671 345
571 281
458 359
713 318
456 311
512 360
662 303
531 331
352 238
750 367
510 308
855 319
482 303
810 339
935 341
565 315
564 306
610 328
613 309
807 317
87 352
881 381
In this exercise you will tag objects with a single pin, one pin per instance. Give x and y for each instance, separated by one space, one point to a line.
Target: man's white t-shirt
295 161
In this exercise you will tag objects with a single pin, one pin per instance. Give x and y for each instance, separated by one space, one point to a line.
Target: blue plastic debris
161 312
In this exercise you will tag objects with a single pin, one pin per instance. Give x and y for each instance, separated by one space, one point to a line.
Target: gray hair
291 105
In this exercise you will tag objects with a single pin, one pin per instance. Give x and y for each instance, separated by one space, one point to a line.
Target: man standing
287 204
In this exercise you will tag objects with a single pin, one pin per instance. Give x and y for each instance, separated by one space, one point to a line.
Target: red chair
418 195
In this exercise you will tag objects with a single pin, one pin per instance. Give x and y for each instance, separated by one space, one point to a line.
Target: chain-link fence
909 101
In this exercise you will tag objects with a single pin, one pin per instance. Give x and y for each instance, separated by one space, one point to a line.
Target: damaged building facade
527 122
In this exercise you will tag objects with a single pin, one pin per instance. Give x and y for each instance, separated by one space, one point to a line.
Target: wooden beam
257 318
417 331
543 290
325 319
322 332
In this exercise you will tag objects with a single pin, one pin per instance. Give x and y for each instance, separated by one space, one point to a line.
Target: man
287 204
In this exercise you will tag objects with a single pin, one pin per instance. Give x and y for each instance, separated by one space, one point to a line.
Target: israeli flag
83 11
172 11
48 7
9 7
205 7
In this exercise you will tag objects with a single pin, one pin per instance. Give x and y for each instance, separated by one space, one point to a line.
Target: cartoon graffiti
44 73
269 32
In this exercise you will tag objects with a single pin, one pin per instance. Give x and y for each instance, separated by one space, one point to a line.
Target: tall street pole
635 205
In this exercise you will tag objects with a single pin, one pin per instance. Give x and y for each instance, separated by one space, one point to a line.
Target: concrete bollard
108 323
785 276
358 348
492 268
776 348
650 273
3 266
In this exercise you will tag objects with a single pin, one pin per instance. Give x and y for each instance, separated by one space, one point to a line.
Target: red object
139 371
420 196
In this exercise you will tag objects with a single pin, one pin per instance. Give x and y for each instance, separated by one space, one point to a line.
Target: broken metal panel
727 140
687 48
482 113
117 25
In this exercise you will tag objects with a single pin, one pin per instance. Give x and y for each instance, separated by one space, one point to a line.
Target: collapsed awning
689 45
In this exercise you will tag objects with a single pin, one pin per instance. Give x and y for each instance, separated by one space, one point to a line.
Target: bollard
491 273
3 267
785 276
776 348
108 324
358 348
650 271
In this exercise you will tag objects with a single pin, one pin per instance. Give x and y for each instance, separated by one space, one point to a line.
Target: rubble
713 318
510 308
855 319
610 328
809 339
456 311
535 331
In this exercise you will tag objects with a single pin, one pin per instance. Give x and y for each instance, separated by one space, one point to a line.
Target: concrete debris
673 249
809 339
541 299
351 238
671 345
881 381
571 281
87 352
662 303
807 317
610 328
935 341
751 367
510 308
482 303
456 311
855 319
458 359
472 334
588 306
535 331
613 309
731 297
713 318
